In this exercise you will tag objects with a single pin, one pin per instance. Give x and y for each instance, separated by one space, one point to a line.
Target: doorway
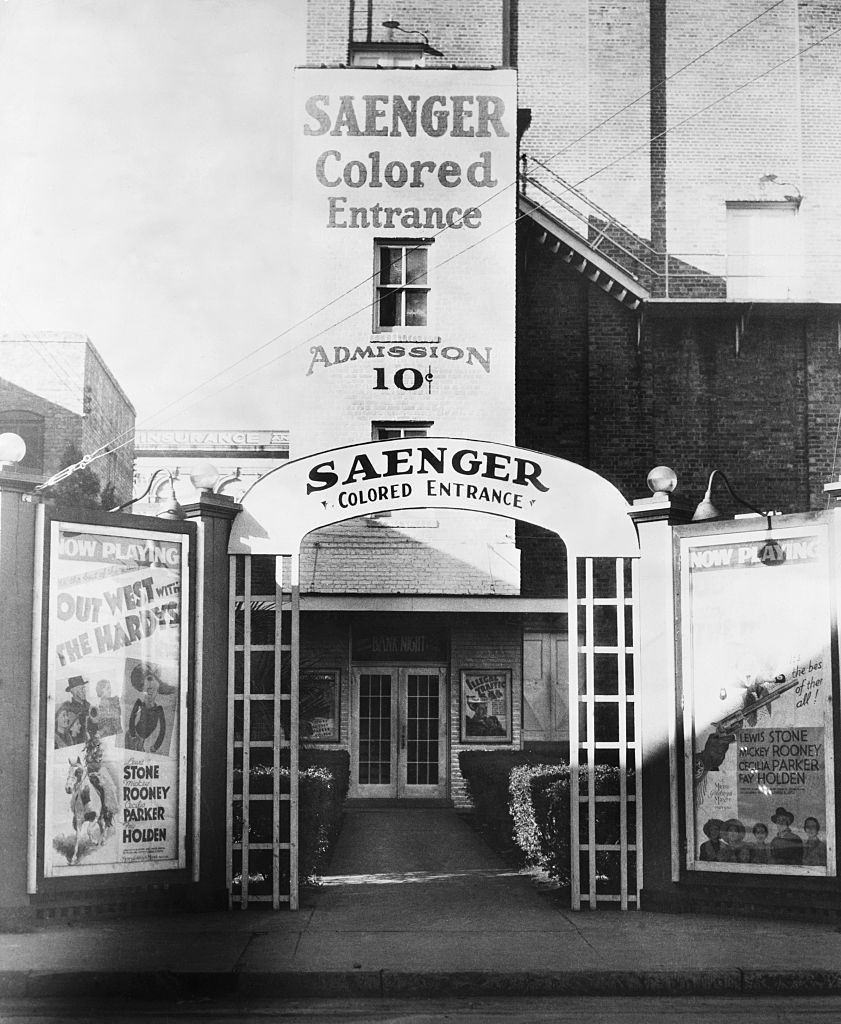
399 732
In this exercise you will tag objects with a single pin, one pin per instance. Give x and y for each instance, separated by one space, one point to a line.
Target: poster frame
336 689
730 532
49 520
506 676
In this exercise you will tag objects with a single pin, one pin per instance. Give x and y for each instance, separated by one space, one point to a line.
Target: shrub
551 801
519 794
487 776
323 779
525 780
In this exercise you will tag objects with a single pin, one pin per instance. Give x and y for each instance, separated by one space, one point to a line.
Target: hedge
525 782
551 803
323 779
522 796
487 777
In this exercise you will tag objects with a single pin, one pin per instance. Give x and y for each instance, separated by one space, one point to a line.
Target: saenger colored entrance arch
584 509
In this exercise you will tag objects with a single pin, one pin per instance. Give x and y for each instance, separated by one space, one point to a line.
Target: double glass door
399 732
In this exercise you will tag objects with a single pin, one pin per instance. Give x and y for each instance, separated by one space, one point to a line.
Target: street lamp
770 551
12 449
173 512
204 475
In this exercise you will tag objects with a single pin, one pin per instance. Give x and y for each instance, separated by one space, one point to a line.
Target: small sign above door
404 646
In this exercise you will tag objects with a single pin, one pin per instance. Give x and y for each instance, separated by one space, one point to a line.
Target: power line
99 453
496 193
521 216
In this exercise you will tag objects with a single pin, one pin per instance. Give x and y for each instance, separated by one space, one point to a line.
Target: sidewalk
453 920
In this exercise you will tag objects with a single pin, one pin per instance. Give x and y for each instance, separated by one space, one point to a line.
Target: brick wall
454 553
61 425
820 89
469 34
766 415
109 420
482 641
823 383
325 643
579 62
63 378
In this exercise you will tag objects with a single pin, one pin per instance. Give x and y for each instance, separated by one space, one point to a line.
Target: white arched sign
586 510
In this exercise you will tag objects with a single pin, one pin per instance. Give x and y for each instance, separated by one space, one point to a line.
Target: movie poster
318 701
757 685
116 699
485 706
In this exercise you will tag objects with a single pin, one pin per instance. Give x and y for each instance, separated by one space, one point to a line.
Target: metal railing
665 274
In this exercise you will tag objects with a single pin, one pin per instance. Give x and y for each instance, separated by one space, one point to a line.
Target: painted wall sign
404 236
440 472
201 440
116 699
757 684
366 142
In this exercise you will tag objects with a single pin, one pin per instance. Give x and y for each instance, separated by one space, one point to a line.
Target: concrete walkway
417 905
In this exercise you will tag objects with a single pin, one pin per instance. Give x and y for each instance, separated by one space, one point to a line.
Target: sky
145 193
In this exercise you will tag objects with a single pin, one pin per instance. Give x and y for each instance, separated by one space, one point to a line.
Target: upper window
764 250
393 53
393 431
402 284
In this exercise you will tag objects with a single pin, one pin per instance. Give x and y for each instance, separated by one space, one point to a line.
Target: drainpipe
658 123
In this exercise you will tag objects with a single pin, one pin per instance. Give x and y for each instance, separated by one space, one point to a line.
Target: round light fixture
12 448
203 476
662 480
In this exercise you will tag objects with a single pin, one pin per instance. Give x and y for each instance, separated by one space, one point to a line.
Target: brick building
676 302
56 391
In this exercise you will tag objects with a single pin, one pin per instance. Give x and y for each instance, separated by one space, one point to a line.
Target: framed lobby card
319 703
486 705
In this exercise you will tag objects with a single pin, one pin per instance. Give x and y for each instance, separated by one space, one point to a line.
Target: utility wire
100 452
496 193
521 216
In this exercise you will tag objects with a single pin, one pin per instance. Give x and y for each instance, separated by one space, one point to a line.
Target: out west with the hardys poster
116 698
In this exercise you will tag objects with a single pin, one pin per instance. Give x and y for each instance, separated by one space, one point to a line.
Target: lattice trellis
605 754
262 732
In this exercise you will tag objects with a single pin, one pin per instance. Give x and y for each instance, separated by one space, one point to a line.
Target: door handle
402 737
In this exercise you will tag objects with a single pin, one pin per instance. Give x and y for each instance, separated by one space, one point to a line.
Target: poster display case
110 704
756 641
319 703
486 705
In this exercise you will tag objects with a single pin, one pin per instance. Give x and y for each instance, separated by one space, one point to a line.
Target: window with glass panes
402 284
382 430
394 430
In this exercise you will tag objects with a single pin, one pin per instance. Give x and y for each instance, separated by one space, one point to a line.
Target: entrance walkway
417 887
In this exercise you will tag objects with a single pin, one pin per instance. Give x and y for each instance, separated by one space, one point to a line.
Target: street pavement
417 906
529 1010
